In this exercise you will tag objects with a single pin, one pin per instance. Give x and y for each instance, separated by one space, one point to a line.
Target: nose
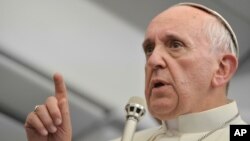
156 59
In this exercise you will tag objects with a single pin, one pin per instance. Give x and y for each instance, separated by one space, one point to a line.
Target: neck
211 100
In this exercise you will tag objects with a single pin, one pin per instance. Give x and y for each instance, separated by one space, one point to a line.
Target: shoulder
224 134
143 134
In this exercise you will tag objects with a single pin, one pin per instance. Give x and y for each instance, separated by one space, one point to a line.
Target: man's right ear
228 65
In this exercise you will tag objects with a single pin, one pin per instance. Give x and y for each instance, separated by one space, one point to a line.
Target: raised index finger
60 87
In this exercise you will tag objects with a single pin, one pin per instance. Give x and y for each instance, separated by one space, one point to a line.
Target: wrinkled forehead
177 20
180 16
182 12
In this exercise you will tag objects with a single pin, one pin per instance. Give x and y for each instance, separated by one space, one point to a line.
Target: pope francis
191 55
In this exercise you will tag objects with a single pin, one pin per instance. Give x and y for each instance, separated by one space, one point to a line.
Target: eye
176 44
148 49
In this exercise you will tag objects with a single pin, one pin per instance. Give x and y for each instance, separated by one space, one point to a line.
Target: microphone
135 110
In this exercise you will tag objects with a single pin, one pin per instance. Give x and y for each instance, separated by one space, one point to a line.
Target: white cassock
210 125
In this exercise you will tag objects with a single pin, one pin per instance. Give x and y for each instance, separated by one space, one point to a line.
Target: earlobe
226 69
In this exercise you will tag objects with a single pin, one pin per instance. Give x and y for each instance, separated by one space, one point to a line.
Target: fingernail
53 129
44 132
58 121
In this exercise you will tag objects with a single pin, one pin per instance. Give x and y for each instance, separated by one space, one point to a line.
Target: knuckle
28 121
39 126
41 109
48 123
33 121
50 99
55 114
44 116
30 117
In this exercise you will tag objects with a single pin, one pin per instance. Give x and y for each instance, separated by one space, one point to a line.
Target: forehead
182 18
182 12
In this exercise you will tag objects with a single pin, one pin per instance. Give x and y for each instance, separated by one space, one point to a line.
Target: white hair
218 31
219 36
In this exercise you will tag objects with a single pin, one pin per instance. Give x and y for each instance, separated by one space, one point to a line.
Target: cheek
193 82
201 75
147 83
195 73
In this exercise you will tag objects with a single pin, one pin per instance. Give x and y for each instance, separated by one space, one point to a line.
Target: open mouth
158 85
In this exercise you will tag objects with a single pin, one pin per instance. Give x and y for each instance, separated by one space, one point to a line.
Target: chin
162 103
162 113
163 116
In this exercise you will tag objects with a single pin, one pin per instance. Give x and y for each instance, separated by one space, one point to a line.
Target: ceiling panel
238 8
22 89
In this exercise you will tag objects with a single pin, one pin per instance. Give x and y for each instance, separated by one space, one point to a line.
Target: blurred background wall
96 45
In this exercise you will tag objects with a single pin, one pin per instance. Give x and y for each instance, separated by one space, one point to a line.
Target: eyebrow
166 36
171 36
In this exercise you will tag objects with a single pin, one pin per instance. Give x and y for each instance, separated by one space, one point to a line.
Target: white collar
202 121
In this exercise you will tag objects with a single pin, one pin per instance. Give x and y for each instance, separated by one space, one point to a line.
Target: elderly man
191 55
